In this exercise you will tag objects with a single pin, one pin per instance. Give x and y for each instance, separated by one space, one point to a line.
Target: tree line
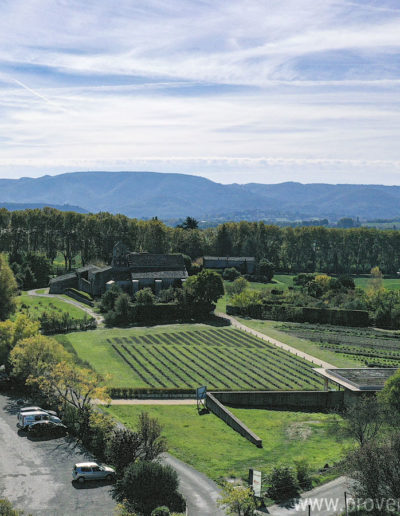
92 237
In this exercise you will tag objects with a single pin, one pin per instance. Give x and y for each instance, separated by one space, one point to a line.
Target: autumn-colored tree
237 500
33 358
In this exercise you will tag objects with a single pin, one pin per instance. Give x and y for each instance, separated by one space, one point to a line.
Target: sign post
255 482
201 394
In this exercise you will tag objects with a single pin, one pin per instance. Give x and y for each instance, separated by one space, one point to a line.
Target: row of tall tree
92 236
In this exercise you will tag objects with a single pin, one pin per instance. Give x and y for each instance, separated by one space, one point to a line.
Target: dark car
47 428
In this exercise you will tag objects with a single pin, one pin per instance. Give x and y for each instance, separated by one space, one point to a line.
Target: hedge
132 392
277 312
168 312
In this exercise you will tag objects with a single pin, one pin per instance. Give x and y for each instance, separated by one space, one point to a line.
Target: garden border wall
217 408
289 400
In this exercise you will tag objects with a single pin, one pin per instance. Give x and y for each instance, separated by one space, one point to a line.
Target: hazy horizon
257 92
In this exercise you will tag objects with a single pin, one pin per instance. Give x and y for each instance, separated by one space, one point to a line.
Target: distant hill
149 194
14 206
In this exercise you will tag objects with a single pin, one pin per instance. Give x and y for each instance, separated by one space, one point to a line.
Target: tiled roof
231 258
159 275
161 261
70 275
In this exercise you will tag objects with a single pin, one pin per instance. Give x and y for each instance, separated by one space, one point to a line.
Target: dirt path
153 402
278 343
99 318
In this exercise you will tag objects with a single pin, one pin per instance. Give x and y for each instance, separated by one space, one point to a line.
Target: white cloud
158 84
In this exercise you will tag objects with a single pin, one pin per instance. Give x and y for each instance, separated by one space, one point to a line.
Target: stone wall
217 408
283 400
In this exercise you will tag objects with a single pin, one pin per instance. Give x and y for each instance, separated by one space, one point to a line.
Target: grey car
92 471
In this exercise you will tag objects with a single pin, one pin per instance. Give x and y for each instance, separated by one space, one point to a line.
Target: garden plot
221 358
369 346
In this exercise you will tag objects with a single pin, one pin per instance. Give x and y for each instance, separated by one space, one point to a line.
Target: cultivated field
209 445
367 345
192 355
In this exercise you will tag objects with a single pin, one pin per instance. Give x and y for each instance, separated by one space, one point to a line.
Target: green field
185 356
34 306
389 283
212 447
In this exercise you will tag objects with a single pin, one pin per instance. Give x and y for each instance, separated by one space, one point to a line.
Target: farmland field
209 445
192 355
279 330
369 346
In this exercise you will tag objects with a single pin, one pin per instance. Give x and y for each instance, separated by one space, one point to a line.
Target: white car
92 471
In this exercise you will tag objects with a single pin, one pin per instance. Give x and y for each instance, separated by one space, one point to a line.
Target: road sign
201 393
255 481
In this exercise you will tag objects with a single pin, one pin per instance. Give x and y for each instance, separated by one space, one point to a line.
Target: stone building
245 264
132 271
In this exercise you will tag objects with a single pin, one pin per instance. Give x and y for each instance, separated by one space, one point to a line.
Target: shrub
6 509
236 287
109 297
265 268
148 485
283 484
303 475
230 274
145 296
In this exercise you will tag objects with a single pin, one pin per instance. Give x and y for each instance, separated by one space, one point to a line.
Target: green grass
389 283
209 445
34 306
185 356
282 281
276 330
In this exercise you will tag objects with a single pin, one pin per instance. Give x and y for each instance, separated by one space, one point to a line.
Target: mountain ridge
168 195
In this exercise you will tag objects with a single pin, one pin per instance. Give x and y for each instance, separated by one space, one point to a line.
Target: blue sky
236 91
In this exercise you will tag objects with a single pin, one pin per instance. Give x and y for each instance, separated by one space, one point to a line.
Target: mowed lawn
185 356
34 306
212 447
389 283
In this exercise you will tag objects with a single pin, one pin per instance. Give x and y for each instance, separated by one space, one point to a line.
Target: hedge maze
221 358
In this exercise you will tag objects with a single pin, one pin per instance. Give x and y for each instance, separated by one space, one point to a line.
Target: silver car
92 471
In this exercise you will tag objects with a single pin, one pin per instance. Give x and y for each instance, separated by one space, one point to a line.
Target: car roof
29 409
36 413
86 464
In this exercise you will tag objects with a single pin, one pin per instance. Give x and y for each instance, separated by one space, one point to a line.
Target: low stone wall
283 400
217 408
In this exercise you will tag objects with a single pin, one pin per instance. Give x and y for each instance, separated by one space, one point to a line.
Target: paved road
99 318
276 342
326 500
35 475
200 492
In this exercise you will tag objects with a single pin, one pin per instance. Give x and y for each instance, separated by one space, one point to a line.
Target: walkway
325 500
99 318
138 401
278 343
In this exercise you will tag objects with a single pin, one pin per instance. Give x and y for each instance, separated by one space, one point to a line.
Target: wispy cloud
202 86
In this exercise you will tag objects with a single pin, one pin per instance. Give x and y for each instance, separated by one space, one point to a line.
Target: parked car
25 419
35 409
92 471
47 428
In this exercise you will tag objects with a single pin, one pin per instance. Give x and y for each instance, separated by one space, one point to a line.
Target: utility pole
309 510
345 503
